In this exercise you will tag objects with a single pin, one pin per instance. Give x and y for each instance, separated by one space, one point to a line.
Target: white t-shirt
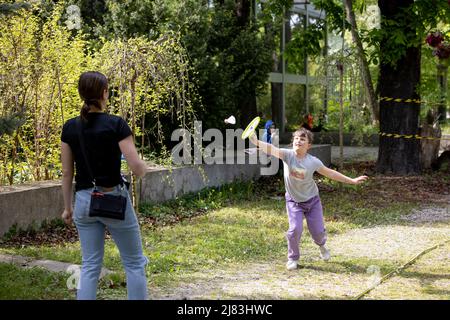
298 175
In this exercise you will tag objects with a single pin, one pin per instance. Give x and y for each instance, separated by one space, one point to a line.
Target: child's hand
253 139
360 179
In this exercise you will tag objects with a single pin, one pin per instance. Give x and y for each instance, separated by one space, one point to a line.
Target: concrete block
34 203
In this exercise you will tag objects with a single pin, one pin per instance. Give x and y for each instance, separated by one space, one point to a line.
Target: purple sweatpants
312 210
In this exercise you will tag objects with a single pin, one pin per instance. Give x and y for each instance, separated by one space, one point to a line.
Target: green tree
11 8
229 54
11 118
399 78
150 86
404 25
41 61
128 18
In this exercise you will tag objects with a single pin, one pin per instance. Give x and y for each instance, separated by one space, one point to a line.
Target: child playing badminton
302 194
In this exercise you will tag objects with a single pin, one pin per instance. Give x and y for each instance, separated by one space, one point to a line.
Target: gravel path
360 257
355 153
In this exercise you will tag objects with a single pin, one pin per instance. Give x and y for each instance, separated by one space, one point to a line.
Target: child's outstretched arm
335 175
267 148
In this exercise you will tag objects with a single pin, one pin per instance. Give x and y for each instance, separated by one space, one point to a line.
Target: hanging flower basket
441 48
434 39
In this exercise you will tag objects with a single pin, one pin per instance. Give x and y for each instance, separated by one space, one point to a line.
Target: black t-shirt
102 133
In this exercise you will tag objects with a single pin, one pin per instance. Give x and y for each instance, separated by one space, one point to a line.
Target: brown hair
91 86
303 132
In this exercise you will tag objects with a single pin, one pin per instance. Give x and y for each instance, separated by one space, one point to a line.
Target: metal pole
306 65
341 96
325 54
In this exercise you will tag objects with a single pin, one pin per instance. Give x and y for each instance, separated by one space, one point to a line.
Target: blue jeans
126 235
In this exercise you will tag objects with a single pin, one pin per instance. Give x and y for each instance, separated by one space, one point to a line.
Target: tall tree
367 79
242 54
277 13
399 77
246 103
13 118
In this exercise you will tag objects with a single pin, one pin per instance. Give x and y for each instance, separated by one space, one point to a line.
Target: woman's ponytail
91 86
84 111
87 107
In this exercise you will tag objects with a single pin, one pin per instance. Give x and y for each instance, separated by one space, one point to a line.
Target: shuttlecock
231 120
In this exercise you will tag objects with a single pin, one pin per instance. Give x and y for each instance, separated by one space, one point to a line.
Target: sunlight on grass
225 235
35 283
241 225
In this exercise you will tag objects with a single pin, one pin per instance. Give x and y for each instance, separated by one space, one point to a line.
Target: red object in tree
434 39
310 120
442 51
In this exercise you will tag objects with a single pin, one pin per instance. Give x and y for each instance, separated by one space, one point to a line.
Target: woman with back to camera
104 138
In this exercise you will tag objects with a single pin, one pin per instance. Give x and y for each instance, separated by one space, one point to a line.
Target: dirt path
360 258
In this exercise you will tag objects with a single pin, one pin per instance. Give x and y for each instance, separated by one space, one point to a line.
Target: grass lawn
229 242
35 283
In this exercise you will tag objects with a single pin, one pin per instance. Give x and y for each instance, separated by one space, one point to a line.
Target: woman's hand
360 179
67 216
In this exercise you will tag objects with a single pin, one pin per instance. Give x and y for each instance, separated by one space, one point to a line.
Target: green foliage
12 8
429 89
131 18
10 123
356 119
230 61
406 29
277 7
149 83
309 41
92 14
301 45
335 12
46 226
170 62
199 202
41 60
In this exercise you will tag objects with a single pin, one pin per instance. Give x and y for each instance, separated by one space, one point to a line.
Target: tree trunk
276 101
326 87
277 88
365 72
430 148
398 155
243 12
246 103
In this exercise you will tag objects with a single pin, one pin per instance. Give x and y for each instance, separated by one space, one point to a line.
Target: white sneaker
325 253
291 264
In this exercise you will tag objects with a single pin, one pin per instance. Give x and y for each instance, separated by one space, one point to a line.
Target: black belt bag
102 205
107 205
